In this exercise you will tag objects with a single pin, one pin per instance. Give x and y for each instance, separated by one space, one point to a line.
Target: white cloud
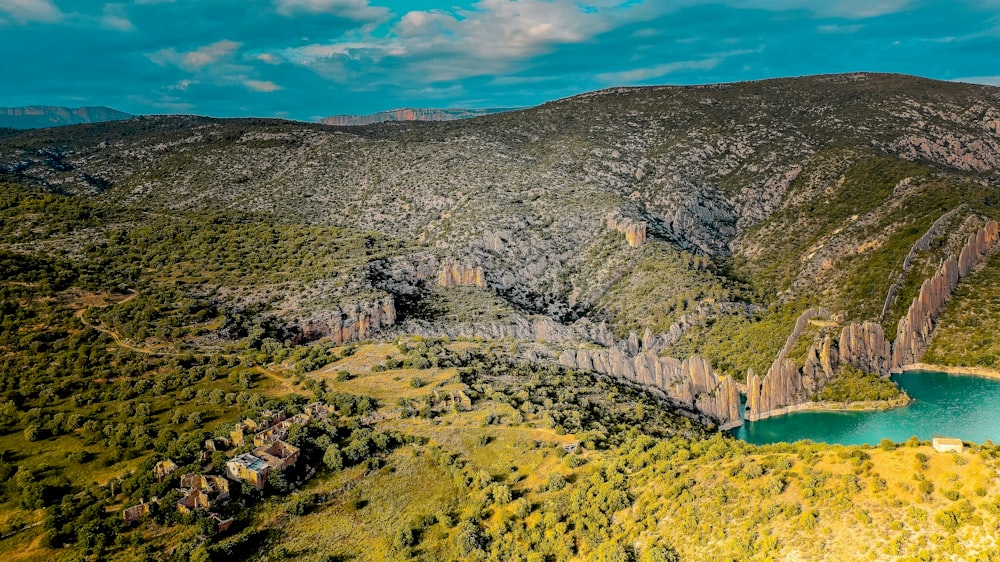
116 18
833 28
356 10
22 11
490 38
268 58
197 59
261 85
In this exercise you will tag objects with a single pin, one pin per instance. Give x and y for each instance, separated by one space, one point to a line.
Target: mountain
42 116
528 326
409 114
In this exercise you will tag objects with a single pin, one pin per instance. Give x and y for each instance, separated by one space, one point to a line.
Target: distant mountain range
42 116
410 114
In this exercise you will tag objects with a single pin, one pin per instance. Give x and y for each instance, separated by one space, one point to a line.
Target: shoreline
981 372
863 406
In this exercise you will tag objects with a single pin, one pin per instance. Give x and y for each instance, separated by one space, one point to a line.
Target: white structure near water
947 445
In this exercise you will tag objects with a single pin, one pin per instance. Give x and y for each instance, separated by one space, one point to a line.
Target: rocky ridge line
691 382
863 344
917 325
920 245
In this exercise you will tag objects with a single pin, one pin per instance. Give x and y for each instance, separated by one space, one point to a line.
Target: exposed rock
407 114
461 275
691 382
923 243
634 231
915 328
782 386
356 321
864 346
800 325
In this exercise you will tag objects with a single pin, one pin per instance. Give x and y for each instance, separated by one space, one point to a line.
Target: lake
959 406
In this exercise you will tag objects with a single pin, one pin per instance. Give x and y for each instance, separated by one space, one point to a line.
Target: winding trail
81 314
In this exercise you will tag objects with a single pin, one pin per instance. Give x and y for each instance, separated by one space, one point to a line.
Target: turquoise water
946 405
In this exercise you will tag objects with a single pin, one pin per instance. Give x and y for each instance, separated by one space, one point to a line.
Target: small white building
947 445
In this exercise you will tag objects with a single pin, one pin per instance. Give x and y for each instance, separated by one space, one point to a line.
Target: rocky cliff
915 328
355 321
691 382
863 345
922 243
634 231
461 275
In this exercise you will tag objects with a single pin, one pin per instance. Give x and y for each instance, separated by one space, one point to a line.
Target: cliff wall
691 382
915 328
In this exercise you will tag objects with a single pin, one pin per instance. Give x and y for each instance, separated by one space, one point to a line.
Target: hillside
605 275
43 116
408 114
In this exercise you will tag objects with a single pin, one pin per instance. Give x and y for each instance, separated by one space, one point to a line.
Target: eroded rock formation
461 275
691 382
863 345
634 231
356 321
915 328
923 243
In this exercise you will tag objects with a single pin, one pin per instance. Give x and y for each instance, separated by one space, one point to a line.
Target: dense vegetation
158 277
853 385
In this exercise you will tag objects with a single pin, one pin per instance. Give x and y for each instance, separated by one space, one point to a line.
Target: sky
306 59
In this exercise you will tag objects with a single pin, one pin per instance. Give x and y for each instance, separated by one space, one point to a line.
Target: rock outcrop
691 382
534 329
461 275
780 387
800 325
407 114
634 231
923 243
863 345
915 328
356 321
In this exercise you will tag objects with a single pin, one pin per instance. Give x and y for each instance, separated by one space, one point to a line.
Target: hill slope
707 217
42 116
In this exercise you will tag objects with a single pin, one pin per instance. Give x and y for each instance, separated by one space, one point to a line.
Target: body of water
959 406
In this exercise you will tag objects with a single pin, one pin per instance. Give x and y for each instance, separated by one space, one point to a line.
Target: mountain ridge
667 219
43 116
410 114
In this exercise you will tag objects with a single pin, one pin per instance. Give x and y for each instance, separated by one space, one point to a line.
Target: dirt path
285 384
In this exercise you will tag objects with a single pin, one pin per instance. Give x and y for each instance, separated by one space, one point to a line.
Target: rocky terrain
41 116
409 114
665 235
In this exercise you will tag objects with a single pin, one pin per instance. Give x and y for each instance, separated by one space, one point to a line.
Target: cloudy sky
305 59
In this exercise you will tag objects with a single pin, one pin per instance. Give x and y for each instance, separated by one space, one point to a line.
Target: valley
531 335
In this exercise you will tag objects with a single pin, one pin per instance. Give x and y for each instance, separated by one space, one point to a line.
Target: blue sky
304 59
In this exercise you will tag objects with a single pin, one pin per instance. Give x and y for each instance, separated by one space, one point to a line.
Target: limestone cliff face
820 365
461 275
634 231
691 382
864 346
782 386
356 321
800 325
537 329
915 328
923 243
